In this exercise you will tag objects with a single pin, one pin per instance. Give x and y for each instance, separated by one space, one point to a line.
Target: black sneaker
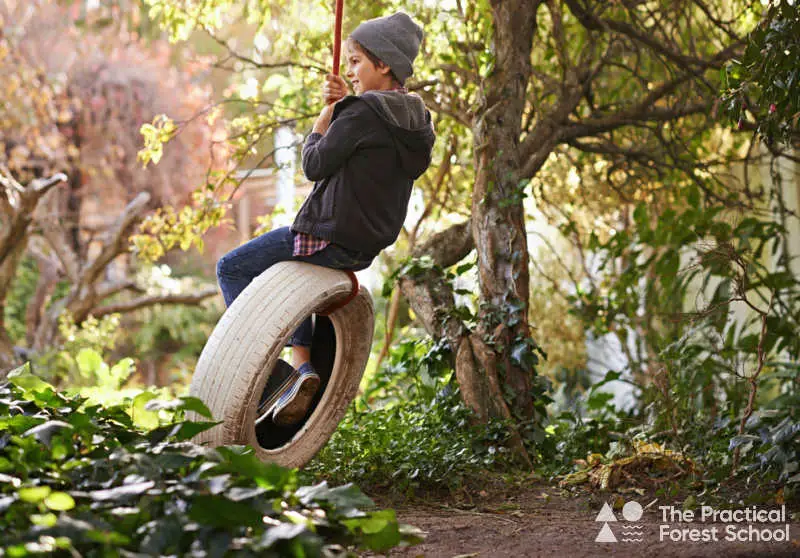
290 402
282 377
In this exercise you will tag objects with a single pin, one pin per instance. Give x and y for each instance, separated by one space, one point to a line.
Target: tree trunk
8 268
498 225
431 297
17 205
494 363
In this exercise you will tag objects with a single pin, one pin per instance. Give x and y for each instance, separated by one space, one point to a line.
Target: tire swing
245 346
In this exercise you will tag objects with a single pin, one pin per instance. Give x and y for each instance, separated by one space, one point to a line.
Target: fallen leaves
650 464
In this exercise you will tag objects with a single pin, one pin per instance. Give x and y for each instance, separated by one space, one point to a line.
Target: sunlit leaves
168 227
155 136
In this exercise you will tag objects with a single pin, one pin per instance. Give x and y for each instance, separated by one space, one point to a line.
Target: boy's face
363 74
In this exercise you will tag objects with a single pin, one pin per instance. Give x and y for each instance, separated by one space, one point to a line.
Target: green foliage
21 291
695 353
167 227
155 135
411 445
592 426
78 361
765 82
175 334
19 296
772 438
85 479
410 431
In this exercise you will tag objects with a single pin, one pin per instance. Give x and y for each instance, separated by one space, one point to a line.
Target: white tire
247 342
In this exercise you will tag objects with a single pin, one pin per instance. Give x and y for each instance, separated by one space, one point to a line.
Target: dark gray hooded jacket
363 168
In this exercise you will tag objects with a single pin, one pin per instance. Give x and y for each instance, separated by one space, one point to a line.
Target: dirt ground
537 519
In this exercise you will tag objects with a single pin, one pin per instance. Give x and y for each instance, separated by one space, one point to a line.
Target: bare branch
56 237
261 65
438 182
152 300
8 181
110 288
23 207
41 185
594 23
115 240
48 266
434 101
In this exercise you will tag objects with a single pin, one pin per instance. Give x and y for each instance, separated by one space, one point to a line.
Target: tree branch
448 247
56 237
152 300
115 240
110 288
433 101
23 201
636 115
594 23
428 293
261 65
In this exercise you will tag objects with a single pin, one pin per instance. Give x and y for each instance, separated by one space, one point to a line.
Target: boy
364 153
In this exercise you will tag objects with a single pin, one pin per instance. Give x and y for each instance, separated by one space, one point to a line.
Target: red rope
337 37
340 304
337 50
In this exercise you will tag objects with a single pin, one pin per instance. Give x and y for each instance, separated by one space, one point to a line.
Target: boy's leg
237 268
335 257
292 406
235 271
338 257
301 343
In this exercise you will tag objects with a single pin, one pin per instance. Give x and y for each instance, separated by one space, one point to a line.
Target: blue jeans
237 268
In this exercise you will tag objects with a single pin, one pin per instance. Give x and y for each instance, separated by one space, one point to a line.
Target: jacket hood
410 124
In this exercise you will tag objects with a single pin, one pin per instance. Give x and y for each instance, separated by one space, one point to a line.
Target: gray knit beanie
394 39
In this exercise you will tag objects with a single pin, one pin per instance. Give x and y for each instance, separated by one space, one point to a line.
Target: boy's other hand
334 89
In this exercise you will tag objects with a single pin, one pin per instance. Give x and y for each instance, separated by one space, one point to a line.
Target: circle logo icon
632 511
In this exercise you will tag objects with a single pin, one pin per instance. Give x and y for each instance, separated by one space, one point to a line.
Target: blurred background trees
77 89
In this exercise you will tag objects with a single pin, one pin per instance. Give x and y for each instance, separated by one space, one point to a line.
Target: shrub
83 479
410 430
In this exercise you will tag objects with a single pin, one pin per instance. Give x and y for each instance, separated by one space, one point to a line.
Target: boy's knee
223 267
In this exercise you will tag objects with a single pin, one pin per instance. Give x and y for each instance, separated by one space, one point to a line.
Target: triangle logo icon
606 535
606 514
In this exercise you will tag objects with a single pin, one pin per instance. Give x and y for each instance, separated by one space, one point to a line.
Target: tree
529 82
74 106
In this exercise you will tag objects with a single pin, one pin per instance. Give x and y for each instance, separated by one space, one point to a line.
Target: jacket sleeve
324 154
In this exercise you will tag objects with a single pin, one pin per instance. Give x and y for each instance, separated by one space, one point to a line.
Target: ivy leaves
86 479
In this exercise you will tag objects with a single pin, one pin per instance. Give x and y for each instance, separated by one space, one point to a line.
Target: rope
337 36
337 50
328 310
